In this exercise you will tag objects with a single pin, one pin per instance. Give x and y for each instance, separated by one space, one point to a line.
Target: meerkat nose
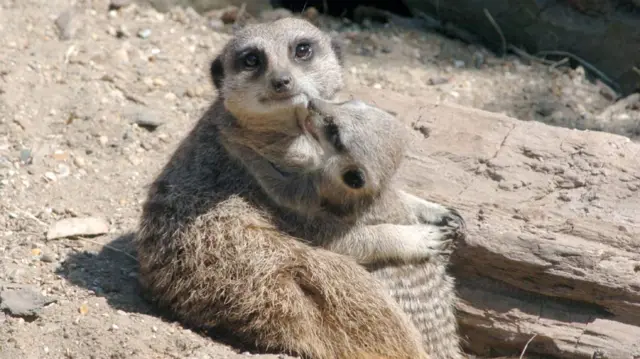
282 82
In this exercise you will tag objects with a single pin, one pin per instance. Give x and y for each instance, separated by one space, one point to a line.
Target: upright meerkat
210 244
362 148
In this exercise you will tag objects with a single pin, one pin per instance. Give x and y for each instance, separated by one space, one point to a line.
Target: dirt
92 102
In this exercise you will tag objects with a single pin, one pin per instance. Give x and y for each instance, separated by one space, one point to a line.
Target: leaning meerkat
210 243
338 174
361 149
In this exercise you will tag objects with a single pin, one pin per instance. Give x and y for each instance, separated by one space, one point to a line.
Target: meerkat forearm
375 243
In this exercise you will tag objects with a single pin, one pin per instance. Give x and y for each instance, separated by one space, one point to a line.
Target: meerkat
210 243
335 182
362 148
343 180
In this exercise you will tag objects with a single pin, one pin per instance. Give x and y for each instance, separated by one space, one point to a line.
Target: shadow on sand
114 275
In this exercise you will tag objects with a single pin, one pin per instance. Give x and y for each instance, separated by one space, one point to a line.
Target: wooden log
604 33
554 227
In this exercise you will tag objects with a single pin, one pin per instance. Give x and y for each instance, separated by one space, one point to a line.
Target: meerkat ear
336 46
217 72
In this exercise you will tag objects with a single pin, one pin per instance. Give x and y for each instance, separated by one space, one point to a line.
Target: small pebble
437 81
144 33
478 59
230 16
216 24
25 156
79 161
63 170
50 177
117 4
66 25
47 258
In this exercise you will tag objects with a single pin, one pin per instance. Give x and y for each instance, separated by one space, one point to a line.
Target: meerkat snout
354 178
282 82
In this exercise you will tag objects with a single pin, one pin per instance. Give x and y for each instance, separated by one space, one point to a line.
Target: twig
108 247
527 345
518 51
495 25
582 62
30 216
561 62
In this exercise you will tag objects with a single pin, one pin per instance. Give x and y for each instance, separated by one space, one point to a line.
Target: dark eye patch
251 59
332 132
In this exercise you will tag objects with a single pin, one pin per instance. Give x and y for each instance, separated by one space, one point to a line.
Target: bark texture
554 227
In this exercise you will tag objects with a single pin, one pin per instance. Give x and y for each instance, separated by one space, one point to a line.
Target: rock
25 156
118 4
66 24
23 302
79 161
103 140
215 24
437 81
276 14
144 117
144 33
47 258
311 14
253 7
79 226
230 15
533 262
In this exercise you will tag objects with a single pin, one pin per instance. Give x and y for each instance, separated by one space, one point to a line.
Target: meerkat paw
451 218
441 216
432 213
435 240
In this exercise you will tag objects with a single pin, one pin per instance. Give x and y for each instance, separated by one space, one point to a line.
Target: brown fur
211 243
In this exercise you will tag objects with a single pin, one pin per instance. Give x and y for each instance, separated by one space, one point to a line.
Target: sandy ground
93 102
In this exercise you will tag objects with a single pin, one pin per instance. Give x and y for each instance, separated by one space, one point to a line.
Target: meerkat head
268 69
362 145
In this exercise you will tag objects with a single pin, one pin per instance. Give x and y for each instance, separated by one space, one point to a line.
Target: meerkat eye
303 51
354 178
251 60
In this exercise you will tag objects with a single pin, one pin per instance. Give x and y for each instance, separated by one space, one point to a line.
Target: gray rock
80 226
66 24
144 118
118 4
23 302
